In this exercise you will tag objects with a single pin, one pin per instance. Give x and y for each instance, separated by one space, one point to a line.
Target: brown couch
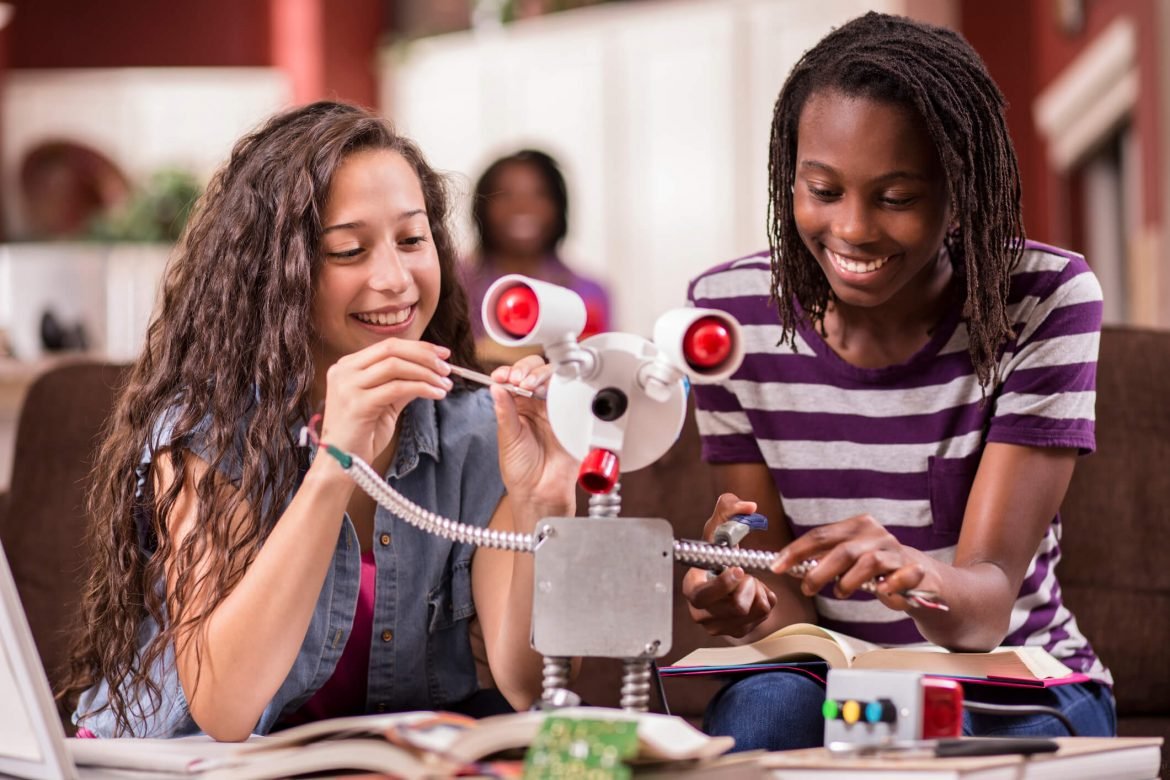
42 516
1116 567
1116 571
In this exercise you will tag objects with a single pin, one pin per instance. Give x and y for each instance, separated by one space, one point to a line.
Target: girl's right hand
367 390
735 602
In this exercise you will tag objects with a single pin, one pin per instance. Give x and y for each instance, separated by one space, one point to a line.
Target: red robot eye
707 343
517 310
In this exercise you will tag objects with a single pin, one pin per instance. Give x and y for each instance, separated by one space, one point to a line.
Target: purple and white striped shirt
903 442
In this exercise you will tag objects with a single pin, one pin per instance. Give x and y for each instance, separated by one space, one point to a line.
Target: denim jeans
781 710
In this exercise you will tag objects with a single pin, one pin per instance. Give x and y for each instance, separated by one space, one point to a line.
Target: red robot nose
517 310
707 343
599 471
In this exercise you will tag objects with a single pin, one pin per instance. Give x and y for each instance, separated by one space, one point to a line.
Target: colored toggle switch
851 712
831 709
881 711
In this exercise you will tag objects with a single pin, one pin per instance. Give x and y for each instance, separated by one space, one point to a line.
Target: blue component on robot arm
731 532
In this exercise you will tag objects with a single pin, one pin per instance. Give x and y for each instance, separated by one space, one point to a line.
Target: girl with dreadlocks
242 582
918 385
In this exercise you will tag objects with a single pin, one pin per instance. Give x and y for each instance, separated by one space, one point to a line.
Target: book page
369 754
1040 662
177 755
17 738
850 645
1021 663
660 737
346 727
798 641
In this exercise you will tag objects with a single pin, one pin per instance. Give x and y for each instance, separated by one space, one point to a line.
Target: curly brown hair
937 74
232 341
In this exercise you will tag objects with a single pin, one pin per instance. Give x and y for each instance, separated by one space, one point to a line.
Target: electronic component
866 706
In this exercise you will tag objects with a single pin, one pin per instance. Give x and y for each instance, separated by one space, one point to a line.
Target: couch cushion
1114 573
44 526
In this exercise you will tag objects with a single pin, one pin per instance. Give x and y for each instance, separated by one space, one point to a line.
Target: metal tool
731 532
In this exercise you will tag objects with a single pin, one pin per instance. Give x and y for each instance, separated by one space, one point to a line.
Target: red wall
1025 51
1054 51
138 33
1000 30
204 33
351 49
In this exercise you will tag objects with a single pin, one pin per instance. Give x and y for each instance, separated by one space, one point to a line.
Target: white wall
141 118
107 288
658 111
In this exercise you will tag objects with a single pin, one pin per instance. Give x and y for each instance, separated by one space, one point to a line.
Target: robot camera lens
609 404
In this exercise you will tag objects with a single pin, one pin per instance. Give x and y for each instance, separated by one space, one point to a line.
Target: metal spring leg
636 684
555 684
606 504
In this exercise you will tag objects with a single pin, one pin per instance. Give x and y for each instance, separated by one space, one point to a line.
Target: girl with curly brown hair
241 582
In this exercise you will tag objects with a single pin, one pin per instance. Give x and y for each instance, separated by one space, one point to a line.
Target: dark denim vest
420 654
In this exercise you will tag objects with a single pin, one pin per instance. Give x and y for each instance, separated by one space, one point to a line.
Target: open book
1031 666
411 745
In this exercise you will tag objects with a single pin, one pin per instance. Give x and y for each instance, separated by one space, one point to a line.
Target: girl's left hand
537 470
852 552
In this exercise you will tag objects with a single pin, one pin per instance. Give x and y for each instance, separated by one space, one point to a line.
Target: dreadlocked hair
228 363
935 72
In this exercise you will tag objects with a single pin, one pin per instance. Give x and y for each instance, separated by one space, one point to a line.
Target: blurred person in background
521 214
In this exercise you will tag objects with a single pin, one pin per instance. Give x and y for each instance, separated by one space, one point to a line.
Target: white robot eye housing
705 343
616 401
518 311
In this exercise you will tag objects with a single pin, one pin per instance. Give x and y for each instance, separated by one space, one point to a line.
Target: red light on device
942 708
599 471
707 343
517 310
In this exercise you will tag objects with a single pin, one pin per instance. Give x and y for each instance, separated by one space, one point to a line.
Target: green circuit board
582 749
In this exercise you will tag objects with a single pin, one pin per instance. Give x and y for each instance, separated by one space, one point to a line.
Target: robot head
617 401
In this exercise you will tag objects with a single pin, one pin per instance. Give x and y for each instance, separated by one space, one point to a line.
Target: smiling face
521 212
870 201
379 274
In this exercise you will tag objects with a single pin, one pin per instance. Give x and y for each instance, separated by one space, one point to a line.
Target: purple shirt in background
903 442
477 278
